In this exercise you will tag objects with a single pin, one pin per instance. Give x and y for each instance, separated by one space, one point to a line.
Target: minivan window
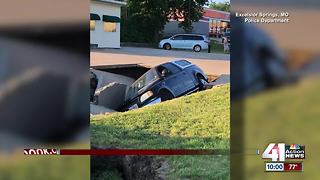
187 37
194 38
198 38
179 37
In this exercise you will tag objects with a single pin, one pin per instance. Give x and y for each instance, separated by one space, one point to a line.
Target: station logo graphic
295 151
279 152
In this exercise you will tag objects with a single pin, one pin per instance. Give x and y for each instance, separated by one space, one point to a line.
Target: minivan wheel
167 46
197 48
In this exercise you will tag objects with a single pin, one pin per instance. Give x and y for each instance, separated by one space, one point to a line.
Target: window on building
92 25
110 27
224 24
213 23
93 18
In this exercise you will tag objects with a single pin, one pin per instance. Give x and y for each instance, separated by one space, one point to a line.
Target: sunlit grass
197 121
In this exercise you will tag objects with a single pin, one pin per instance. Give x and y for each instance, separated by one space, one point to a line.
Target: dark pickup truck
164 82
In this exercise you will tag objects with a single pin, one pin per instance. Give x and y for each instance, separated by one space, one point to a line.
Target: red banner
293 166
106 152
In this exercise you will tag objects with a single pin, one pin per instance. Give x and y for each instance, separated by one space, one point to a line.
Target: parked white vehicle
185 41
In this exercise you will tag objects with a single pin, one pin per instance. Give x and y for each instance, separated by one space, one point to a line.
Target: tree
222 6
146 18
190 10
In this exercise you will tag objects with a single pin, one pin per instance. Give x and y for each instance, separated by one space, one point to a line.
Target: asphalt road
210 63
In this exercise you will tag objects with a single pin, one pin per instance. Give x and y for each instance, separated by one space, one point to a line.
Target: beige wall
99 36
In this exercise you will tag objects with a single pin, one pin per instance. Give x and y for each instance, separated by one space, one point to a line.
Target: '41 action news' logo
281 152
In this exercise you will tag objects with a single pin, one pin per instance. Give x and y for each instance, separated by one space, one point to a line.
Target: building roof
216 14
210 14
118 2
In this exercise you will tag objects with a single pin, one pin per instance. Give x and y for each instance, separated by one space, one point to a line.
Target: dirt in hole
212 77
130 167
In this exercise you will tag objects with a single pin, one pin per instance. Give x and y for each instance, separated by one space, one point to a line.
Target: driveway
213 64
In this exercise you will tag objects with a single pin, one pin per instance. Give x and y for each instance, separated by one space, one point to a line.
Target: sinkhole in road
133 71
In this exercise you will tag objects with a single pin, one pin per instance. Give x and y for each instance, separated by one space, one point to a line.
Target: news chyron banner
284 158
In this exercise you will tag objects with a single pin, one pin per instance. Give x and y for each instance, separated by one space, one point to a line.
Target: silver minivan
185 41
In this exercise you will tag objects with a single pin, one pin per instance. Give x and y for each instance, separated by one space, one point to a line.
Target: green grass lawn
197 121
216 47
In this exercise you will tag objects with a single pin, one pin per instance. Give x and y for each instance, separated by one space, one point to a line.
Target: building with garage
219 21
213 22
105 23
